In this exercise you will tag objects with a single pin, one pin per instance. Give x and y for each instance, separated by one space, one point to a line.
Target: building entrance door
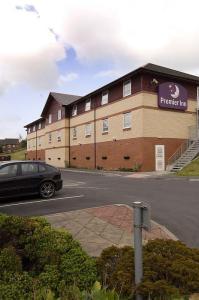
159 157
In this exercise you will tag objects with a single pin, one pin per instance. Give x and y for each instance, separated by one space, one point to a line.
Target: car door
29 178
8 180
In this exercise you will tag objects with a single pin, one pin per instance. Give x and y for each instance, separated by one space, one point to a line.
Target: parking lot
174 201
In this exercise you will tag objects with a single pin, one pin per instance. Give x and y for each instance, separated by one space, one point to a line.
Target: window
42 168
127 88
74 133
127 120
74 111
59 136
104 98
88 105
33 128
59 114
8 171
39 126
29 130
50 138
88 130
197 97
105 125
29 168
50 119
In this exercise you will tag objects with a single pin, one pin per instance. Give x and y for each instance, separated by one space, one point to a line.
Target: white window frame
39 126
104 98
58 135
50 119
127 90
50 137
88 129
88 104
34 128
127 123
59 114
74 110
29 130
74 132
105 125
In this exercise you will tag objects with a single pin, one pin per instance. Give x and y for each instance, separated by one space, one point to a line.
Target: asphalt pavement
174 201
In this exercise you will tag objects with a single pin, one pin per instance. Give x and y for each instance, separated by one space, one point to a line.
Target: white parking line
38 201
85 187
194 179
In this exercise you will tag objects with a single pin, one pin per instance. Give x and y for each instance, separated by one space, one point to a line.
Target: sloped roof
34 122
170 72
64 99
9 142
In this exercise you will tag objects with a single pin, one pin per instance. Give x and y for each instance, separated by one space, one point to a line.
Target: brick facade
124 154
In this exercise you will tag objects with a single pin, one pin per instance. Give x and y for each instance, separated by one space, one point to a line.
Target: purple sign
172 95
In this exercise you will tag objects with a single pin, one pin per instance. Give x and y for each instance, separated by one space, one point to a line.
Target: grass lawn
18 155
191 170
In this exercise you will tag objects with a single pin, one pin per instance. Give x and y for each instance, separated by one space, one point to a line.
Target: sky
76 46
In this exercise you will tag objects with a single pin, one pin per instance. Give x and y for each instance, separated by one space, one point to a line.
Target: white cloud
67 78
126 33
109 73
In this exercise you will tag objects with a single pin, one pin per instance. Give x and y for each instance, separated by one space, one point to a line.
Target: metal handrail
178 153
192 135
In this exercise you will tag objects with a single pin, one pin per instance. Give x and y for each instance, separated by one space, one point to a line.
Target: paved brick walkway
100 227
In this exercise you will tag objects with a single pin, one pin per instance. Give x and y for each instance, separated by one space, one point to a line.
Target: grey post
138 244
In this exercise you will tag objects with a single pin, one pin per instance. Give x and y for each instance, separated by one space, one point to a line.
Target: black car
19 178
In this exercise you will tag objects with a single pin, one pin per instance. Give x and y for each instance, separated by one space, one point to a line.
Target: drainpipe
69 142
36 141
95 146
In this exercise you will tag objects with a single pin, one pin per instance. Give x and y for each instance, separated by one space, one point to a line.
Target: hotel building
137 121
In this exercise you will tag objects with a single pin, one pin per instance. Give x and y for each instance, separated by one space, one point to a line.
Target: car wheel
47 189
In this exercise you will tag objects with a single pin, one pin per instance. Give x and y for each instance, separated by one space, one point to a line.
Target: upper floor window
127 120
29 130
59 114
58 135
34 128
105 125
104 98
88 130
197 97
74 110
88 105
127 88
50 119
39 126
74 132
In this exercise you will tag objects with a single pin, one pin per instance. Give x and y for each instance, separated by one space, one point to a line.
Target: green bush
171 269
32 251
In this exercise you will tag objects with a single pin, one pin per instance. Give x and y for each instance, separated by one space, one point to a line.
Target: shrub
170 269
50 259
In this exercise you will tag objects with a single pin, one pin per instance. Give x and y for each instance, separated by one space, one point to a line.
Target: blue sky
74 46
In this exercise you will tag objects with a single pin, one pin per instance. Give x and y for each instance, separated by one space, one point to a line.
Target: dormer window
50 119
88 105
74 110
127 88
104 98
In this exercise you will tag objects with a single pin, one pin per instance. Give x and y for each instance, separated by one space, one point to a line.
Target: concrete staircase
190 153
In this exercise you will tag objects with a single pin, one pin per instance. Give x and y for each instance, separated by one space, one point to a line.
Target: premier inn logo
172 95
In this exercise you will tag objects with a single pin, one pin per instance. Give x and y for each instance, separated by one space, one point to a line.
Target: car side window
8 171
42 168
29 168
